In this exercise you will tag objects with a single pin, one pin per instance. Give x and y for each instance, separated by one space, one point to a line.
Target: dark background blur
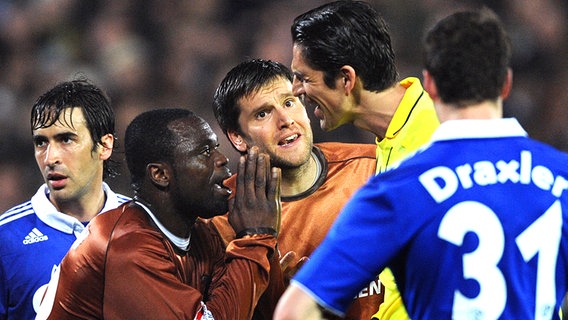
166 53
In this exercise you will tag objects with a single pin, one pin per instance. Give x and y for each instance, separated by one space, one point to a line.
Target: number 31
542 237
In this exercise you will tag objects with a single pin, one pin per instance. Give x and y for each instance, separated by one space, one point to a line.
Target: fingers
286 259
261 174
257 198
274 194
250 176
240 192
303 260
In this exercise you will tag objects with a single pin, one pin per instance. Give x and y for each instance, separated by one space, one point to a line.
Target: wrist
257 231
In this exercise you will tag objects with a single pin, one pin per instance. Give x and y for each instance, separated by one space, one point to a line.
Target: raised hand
256 208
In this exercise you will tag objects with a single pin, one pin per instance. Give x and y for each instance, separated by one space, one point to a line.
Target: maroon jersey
307 217
126 268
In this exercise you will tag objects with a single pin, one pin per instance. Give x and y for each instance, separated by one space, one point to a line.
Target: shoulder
339 151
113 199
16 213
15 226
347 159
125 216
123 231
124 221
38 202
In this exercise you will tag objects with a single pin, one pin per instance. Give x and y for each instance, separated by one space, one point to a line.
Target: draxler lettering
443 182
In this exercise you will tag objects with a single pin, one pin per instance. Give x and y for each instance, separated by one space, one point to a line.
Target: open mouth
55 176
311 104
288 140
221 188
318 112
57 181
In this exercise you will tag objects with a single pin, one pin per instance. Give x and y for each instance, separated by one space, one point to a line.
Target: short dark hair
347 33
244 79
95 105
468 55
148 139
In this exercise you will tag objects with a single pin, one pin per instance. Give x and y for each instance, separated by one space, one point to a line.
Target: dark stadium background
164 53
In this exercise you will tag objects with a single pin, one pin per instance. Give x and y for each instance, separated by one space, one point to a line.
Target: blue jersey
475 228
34 237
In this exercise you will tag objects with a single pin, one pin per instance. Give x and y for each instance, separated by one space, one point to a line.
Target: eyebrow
267 105
58 136
208 142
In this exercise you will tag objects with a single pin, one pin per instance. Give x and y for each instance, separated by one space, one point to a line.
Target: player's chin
326 125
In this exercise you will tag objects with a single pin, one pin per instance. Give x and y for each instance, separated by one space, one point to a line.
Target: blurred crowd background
172 53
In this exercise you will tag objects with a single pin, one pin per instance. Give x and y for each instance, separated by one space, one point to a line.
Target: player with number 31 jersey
499 204
474 220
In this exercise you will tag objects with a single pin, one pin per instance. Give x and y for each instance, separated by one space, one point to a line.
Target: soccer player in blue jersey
73 134
474 219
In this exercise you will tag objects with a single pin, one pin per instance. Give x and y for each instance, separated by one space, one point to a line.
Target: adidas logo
34 236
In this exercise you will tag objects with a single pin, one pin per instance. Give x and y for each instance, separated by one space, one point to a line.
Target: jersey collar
47 212
475 129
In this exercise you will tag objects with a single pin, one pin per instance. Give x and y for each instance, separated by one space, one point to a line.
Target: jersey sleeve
238 284
157 290
129 270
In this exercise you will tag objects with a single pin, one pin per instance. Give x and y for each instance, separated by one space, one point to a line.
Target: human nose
284 119
220 159
52 155
297 87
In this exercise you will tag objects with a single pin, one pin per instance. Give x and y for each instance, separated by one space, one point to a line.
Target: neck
483 110
181 243
376 109
85 208
164 211
297 180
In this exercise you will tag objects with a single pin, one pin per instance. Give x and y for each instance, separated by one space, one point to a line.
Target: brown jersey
307 217
125 268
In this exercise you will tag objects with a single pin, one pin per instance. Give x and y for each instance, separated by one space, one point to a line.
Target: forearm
235 294
297 304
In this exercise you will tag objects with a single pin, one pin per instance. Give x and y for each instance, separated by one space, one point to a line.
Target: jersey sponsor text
373 288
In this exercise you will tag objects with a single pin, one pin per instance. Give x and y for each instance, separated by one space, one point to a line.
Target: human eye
300 77
40 142
206 151
66 138
290 103
261 114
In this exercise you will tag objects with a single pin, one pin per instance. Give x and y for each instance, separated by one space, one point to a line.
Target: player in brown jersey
155 257
255 106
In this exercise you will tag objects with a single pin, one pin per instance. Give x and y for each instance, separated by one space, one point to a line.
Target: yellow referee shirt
411 126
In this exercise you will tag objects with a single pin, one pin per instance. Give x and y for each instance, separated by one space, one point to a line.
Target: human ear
106 146
349 76
430 85
159 174
237 140
506 90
